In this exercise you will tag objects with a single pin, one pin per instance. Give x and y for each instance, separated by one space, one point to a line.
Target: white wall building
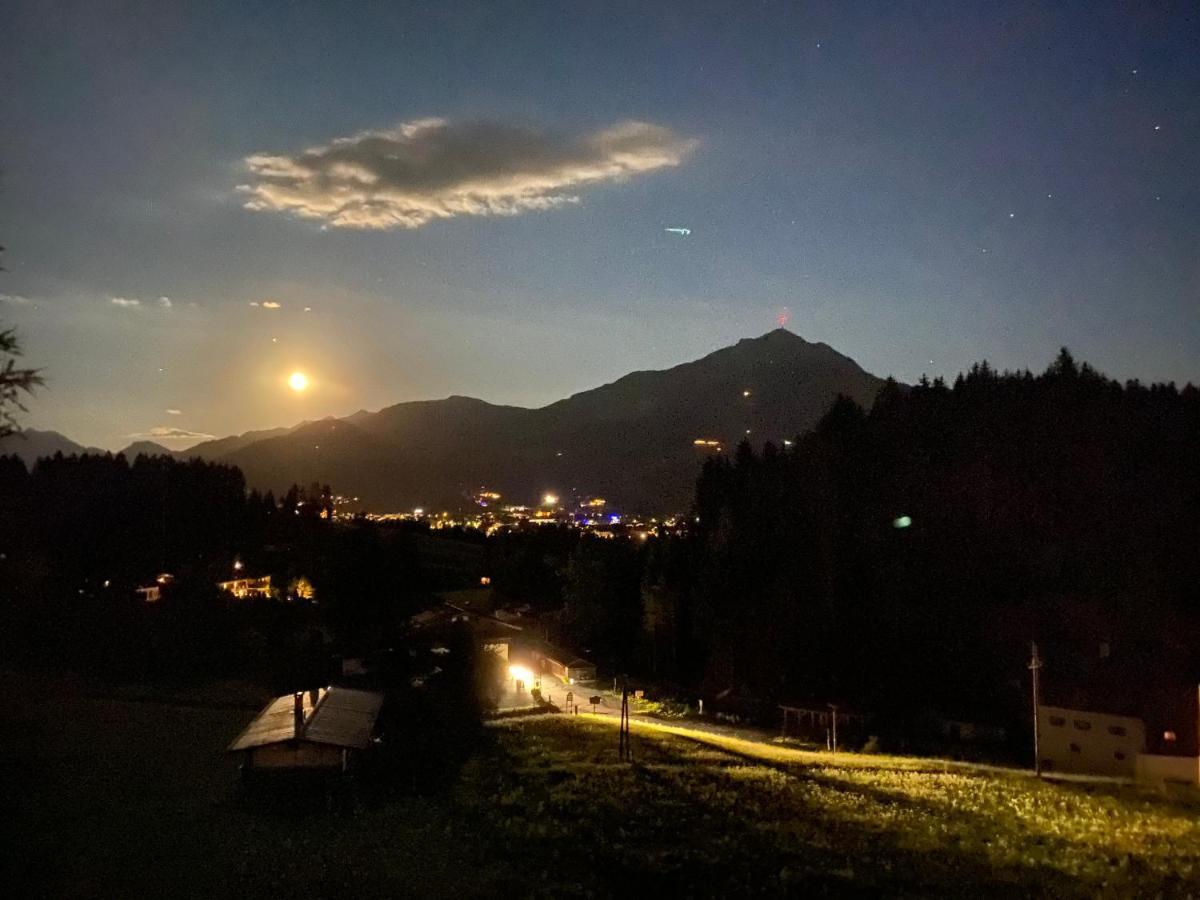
1091 743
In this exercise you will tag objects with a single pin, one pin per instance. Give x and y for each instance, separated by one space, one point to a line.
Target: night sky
405 201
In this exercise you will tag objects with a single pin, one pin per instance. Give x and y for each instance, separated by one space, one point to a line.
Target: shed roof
340 717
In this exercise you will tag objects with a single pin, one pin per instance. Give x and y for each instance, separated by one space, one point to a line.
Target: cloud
271 304
174 412
429 169
169 433
254 303
15 299
125 303
164 302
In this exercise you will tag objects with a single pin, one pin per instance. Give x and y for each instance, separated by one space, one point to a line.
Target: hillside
31 444
631 441
543 808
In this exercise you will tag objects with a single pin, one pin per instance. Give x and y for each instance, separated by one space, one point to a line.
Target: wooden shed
311 731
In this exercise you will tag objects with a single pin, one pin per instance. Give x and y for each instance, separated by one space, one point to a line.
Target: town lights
550 500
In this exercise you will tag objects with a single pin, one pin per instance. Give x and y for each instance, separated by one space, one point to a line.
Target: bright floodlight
520 673
298 382
550 500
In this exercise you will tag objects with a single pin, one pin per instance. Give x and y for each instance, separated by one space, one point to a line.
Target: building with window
310 731
244 588
1089 743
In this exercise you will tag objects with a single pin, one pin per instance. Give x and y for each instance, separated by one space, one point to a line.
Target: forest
902 559
897 560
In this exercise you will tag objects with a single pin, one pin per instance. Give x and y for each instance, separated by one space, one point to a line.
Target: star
1012 215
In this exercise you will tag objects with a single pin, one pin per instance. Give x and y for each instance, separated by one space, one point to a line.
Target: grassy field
119 798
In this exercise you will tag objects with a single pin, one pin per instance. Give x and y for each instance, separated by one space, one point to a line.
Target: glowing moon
298 382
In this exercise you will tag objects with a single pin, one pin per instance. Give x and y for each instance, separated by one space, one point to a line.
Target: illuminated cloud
431 169
271 304
174 412
15 299
164 302
254 303
125 303
170 433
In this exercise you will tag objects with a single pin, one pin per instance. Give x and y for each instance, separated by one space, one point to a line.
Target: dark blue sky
919 185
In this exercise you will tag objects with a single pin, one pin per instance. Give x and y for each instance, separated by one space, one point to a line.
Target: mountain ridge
631 440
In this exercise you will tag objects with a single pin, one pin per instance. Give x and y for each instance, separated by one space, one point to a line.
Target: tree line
899 560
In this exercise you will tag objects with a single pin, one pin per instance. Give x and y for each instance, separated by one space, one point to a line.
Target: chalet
317 731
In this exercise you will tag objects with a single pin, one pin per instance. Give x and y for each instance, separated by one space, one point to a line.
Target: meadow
124 798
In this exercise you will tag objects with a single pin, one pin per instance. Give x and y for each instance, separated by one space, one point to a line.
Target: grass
118 798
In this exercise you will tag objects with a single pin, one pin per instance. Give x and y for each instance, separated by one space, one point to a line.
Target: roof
340 717
482 625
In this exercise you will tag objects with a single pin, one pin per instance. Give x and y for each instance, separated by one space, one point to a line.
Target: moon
298 382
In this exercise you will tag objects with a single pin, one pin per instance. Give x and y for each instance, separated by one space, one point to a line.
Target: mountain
146 448
30 444
631 441
219 447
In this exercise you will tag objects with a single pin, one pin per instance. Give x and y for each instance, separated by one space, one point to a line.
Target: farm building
562 664
1091 743
1172 735
311 731
490 633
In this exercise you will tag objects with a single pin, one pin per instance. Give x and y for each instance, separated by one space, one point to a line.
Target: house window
1119 756
1169 737
1083 725
1058 721
1116 730
1075 748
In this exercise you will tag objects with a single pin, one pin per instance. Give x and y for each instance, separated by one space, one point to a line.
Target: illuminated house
245 588
315 731
152 593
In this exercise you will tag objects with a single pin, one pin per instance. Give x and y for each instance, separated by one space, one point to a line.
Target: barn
317 731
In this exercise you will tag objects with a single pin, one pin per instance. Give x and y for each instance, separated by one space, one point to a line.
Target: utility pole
833 706
1035 665
624 749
